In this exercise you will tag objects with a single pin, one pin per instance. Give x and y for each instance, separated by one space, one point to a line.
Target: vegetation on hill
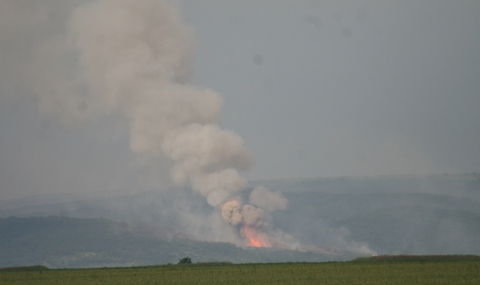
389 215
408 258
61 242
185 260
25 268
392 215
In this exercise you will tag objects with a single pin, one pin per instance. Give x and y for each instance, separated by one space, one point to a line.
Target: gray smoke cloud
134 59
268 200
249 222
234 213
252 222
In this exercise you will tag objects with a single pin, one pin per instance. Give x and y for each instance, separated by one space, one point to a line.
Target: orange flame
253 238
255 243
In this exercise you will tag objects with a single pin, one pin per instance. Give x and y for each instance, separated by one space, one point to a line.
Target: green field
416 272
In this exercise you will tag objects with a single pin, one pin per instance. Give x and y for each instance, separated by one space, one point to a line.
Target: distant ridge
462 176
63 242
389 258
420 216
25 268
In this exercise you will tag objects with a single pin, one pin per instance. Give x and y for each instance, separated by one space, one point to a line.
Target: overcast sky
314 88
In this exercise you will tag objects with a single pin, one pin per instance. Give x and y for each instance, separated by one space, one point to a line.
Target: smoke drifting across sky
343 88
134 59
316 88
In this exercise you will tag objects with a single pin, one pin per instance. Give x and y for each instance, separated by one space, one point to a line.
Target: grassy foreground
428 272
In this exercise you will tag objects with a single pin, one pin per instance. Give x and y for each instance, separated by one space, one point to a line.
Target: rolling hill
388 215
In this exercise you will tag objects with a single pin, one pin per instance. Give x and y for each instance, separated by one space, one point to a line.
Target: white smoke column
136 57
251 222
252 216
231 212
247 215
133 58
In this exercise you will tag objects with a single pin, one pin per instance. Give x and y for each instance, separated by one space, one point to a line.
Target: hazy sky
314 88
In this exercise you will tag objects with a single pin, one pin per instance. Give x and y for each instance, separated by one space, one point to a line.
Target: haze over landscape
209 121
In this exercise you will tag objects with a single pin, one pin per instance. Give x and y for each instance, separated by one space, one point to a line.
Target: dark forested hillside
392 215
59 242
386 215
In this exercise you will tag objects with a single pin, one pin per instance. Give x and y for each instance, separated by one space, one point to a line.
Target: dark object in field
185 260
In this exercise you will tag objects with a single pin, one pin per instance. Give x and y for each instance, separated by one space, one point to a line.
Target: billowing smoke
251 221
134 58
234 213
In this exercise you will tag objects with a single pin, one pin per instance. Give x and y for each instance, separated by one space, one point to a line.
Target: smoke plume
252 222
134 59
